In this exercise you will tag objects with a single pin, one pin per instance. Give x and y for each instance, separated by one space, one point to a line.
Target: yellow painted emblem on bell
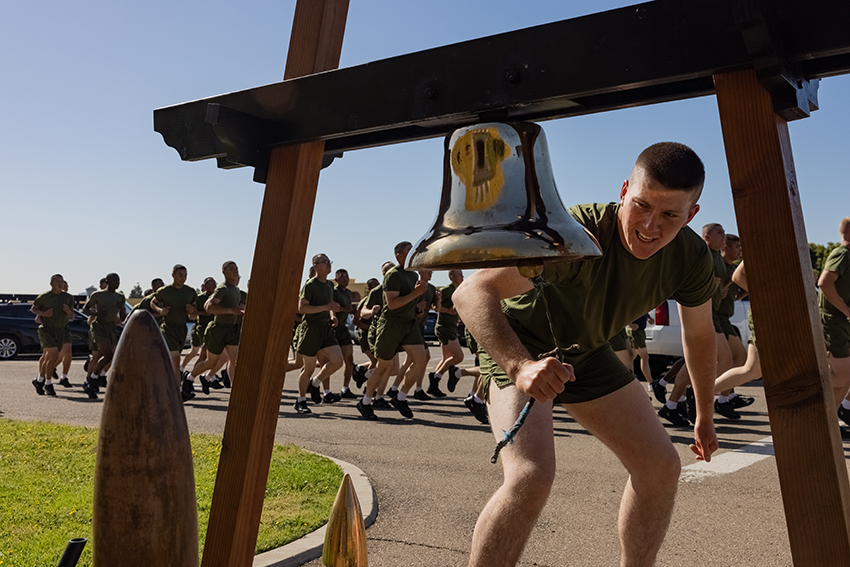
477 158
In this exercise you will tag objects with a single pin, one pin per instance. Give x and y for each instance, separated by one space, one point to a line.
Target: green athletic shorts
175 336
363 340
470 342
198 335
752 339
392 335
728 328
343 336
103 332
218 335
836 332
598 373
53 338
618 341
310 339
638 337
445 333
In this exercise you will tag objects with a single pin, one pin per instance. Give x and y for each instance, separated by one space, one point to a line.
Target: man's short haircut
730 238
102 281
341 271
386 267
54 276
209 278
844 226
673 165
178 267
709 227
153 281
227 264
112 276
401 246
318 258
372 283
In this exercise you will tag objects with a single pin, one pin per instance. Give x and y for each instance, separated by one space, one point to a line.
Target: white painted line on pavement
729 462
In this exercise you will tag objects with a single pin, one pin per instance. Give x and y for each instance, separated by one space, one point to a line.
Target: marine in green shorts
175 303
834 297
53 308
108 308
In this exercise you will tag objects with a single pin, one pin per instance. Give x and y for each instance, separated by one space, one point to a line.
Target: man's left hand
705 440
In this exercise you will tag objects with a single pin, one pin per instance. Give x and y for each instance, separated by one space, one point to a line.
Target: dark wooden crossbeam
643 54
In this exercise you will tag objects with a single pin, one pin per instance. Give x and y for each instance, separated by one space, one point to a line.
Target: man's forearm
831 295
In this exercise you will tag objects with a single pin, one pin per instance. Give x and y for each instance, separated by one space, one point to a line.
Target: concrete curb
310 546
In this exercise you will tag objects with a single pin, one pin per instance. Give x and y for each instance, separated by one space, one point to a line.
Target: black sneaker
101 381
742 401
673 416
301 407
359 375
402 407
205 385
453 379
89 390
225 378
393 394
216 384
331 398
381 403
187 390
91 382
366 411
479 411
434 387
691 402
659 391
726 410
843 414
315 393
348 395
48 389
39 389
86 363
64 383
682 408
421 395
55 375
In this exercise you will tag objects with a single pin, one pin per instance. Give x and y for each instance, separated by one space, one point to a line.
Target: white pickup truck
664 338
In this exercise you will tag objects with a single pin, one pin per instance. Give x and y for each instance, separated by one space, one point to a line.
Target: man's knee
530 481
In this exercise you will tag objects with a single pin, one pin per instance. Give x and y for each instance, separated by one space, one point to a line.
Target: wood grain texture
267 330
802 409
145 510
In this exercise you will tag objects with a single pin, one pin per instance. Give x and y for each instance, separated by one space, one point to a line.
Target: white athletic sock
722 399
733 395
182 369
458 372
476 399
344 389
438 375
682 398
418 389
300 399
393 388
401 396
662 381
48 382
326 392
64 376
316 382
40 379
845 404
670 405
366 401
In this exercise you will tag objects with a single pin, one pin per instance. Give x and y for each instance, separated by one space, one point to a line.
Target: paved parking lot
432 475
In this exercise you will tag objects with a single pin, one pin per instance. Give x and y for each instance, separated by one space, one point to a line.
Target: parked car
664 338
19 331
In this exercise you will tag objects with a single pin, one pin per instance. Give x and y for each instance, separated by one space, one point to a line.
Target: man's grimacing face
651 215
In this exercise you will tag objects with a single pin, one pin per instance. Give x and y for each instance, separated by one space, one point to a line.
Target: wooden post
802 408
293 177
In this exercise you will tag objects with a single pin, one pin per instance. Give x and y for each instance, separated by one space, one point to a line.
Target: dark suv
19 331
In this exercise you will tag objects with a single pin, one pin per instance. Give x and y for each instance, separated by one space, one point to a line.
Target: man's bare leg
529 470
67 356
751 370
840 373
625 421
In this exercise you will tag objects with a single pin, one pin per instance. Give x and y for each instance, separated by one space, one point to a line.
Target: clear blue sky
88 187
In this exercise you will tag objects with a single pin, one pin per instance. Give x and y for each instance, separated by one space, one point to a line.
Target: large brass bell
500 206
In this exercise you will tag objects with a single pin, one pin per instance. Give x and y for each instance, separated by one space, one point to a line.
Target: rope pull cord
558 352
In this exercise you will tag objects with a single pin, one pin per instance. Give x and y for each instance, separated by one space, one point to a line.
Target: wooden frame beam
801 406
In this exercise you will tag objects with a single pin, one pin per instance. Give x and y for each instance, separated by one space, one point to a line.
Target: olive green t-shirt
591 300
318 293
55 301
838 261
200 301
375 297
403 281
727 304
228 296
343 297
145 305
447 319
719 272
176 299
107 304
426 302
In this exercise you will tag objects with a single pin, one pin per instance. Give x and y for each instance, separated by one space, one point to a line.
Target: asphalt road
432 476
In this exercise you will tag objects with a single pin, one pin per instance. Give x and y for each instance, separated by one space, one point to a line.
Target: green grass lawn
47 487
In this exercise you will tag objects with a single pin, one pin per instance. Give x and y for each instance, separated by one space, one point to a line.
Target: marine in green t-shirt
202 319
446 331
222 333
175 303
108 308
648 256
834 307
343 297
53 308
